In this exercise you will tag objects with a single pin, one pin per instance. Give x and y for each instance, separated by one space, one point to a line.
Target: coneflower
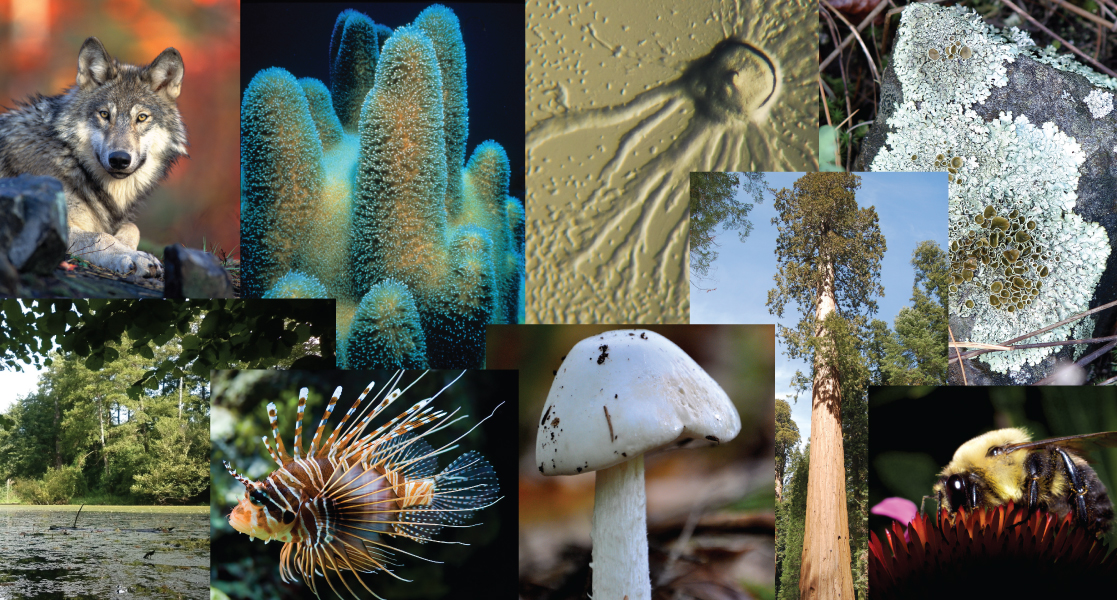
1005 552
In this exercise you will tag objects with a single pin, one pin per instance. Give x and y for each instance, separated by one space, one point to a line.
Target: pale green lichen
1021 259
1100 103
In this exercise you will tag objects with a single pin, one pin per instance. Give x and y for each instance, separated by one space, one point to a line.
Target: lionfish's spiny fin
404 415
241 478
267 445
325 418
374 448
280 450
359 427
374 452
299 423
341 426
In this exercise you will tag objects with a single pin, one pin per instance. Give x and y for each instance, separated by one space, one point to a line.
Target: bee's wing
1079 444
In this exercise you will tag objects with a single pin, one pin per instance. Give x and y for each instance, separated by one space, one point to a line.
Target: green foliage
30 491
787 436
790 523
921 329
713 202
57 486
855 441
257 334
178 470
915 353
820 224
151 445
60 485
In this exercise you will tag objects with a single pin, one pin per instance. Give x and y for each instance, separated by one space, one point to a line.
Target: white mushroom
617 396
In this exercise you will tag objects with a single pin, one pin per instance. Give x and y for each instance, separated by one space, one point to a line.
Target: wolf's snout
120 160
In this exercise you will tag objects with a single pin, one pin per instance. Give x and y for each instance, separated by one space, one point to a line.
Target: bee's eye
104 114
956 490
141 117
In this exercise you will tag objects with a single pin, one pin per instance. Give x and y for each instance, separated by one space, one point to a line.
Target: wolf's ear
164 74
95 66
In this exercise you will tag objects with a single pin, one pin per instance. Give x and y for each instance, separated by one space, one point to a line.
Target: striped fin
406 415
467 484
267 445
299 423
358 428
241 478
341 426
325 418
280 454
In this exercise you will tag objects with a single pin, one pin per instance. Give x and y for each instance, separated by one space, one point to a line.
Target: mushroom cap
624 393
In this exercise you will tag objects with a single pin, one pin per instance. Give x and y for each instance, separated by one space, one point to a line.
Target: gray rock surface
33 234
194 274
1043 94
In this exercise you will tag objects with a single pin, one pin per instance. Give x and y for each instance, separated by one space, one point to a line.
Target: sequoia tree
829 254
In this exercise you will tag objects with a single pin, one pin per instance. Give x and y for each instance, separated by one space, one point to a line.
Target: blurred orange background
200 200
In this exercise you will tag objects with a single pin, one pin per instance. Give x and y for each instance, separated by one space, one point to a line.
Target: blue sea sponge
441 26
297 285
385 330
362 188
279 140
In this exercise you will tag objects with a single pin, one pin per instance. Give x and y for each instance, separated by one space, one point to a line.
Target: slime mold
361 192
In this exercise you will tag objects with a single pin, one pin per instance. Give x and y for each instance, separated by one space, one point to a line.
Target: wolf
110 139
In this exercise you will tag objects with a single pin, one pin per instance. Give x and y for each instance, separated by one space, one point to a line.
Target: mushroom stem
620 533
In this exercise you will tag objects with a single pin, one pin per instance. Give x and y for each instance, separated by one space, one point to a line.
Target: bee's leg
1035 467
1078 484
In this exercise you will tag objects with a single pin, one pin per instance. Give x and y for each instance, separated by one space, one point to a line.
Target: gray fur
110 140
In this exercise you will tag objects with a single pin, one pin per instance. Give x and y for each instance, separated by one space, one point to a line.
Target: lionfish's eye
288 517
257 496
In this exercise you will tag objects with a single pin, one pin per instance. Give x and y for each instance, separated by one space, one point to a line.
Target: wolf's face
129 112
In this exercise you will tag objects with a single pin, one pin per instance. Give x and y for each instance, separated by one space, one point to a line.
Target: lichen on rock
1021 258
361 192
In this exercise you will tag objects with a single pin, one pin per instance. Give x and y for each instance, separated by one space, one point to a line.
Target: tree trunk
825 572
104 454
57 435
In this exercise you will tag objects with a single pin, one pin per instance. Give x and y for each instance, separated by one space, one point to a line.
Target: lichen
1021 259
1100 103
361 192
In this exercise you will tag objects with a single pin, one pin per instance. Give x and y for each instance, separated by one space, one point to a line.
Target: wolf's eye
141 117
104 114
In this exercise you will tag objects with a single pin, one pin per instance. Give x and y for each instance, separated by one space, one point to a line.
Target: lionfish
331 507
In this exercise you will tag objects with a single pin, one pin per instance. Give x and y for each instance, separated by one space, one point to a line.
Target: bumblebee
1006 465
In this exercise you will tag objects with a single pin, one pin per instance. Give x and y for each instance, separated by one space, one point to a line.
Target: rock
1029 138
33 232
194 274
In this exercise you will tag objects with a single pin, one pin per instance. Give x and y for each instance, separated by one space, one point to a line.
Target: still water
102 559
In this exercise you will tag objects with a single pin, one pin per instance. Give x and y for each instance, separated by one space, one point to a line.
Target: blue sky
912 208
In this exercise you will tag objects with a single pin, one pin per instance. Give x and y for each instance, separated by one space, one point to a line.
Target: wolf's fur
110 140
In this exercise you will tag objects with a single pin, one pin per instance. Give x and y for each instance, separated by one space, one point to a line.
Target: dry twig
1097 65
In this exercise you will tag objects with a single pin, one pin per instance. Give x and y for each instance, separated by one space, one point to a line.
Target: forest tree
829 252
